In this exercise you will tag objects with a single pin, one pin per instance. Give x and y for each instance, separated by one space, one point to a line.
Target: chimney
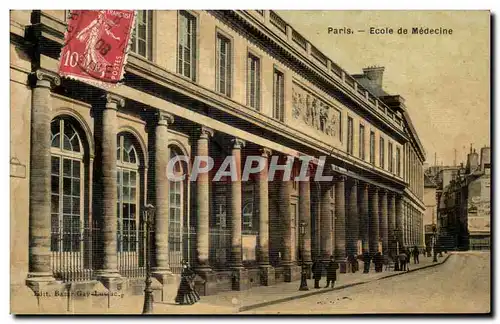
472 162
375 74
485 157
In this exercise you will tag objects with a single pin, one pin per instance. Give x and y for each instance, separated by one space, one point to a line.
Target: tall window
279 95
224 58
186 64
382 152
398 161
175 205
372 148
128 194
66 187
390 157
253 81
142 39
361 141
247 216
350 135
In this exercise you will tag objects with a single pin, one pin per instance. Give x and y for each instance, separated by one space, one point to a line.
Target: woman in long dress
186 294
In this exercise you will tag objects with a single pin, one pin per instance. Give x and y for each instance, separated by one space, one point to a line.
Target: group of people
331 272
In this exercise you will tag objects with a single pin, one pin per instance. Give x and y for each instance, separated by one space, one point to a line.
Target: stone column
267 272
384 230
374 220
399 219
109 272
40 180
240 274
305 216
327 233
365 218
290 268
203 205
353 220
162 155
340 228
392 223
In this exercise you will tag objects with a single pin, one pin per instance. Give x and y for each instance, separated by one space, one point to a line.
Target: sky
445 79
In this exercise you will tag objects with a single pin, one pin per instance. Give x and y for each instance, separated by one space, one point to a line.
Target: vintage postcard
250 162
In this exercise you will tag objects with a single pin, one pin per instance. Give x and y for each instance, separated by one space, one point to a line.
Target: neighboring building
198 83
464 218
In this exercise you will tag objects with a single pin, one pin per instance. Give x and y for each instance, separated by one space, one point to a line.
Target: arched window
247 216
67 187
128 194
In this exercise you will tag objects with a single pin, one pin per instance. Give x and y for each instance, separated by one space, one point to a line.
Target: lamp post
434 234
303 275
149 215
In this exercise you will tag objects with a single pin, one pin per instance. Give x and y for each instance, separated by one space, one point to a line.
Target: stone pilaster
384 230
40 181
290 268
235 184
399 218
267 274
340 222
109 273
162 155
374 220
352 234
365 218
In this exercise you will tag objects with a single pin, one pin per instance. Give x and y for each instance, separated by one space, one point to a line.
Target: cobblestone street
461 285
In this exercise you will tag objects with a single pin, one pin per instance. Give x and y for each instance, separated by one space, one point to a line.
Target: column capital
375 188
265 152
164 118
206 132
355 182
238 143
340 178
114 101
44 78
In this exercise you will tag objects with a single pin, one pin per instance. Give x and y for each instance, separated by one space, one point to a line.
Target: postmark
96 46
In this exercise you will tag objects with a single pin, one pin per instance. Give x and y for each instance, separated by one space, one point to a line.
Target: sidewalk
239 301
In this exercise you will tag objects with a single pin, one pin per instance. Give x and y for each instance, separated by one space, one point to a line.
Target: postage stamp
96 45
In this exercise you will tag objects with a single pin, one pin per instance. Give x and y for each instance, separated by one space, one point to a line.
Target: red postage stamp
96 45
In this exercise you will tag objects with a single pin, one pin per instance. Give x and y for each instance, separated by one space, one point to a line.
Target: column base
205 281
112 280
291 272
240 279
267 275
164 276
40 281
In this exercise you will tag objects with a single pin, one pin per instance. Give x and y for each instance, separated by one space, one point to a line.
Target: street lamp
303 275
149 218
434 235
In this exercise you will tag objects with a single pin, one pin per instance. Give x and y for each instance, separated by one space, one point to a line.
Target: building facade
464 219
200 83
430 214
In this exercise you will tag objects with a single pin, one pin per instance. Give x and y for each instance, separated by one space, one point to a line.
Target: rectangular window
350 136
142 34
223 65
398 161
361 141
389 157
372 148
382 152
279 95
253 81
186 64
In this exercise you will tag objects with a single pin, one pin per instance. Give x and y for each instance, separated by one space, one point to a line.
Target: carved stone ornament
314 112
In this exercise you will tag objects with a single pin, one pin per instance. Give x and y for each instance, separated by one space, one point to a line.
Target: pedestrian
355 264
402 261
415 255
396 262
317 269
186 294
331 272
366 262
378 261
